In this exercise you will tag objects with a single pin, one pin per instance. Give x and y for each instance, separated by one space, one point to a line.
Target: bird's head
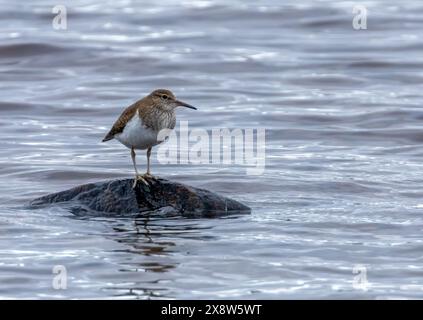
166 100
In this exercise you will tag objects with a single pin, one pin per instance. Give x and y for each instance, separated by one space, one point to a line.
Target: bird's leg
133 155
148 174
137 175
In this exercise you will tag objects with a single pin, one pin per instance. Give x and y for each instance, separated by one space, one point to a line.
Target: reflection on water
144 236
343 179
147 237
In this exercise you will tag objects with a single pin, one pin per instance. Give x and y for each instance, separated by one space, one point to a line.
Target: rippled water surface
342 110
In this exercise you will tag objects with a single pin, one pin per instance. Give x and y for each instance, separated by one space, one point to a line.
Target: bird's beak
183 104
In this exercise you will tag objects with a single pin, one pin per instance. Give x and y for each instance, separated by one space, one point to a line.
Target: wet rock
163 197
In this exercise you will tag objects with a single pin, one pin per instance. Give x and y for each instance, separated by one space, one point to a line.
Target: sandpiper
139 125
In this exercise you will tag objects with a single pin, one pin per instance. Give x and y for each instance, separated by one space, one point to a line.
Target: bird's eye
165 97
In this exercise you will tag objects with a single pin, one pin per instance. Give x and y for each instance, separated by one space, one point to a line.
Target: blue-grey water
342 187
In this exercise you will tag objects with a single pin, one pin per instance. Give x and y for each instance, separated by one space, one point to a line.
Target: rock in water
117 198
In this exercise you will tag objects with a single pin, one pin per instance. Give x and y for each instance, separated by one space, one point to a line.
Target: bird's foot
149 176
142 178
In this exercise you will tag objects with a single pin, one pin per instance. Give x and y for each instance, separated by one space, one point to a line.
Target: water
343 182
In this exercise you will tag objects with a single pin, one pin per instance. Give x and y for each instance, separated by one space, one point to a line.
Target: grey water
337 211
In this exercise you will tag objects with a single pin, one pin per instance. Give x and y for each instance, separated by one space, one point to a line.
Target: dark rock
164 197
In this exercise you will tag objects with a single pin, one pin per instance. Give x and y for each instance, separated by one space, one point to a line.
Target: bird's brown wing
121 122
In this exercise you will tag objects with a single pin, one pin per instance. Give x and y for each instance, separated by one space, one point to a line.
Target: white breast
137 135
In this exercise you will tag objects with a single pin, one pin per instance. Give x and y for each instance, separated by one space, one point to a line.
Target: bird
139 125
